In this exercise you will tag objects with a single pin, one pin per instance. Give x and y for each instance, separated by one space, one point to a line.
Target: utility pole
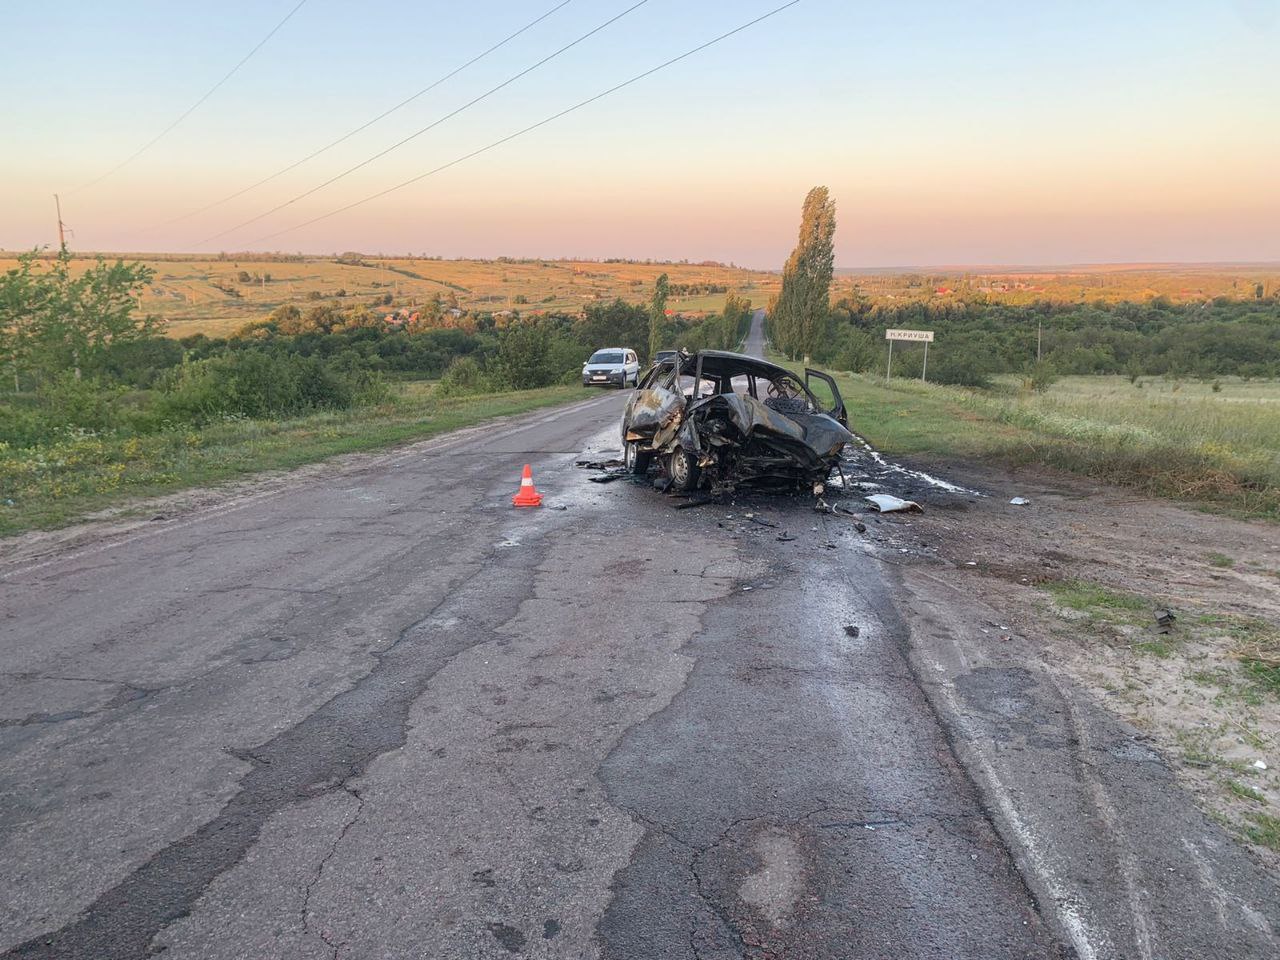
62 239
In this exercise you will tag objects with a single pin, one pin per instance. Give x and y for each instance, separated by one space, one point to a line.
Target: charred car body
719 419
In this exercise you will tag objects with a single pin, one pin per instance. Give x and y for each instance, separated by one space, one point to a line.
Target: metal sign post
911 336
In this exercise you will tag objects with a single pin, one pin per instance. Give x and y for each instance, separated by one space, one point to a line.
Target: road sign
912 336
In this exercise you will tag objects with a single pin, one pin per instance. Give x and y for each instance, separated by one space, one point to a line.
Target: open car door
837 411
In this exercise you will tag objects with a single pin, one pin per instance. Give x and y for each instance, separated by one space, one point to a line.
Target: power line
364 126
541 123
191 109
430 126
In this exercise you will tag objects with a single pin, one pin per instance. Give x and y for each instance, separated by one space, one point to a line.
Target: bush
958 369
464 376
84 404
139 363
260 386
1040 376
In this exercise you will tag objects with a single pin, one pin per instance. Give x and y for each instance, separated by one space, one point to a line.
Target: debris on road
1019 501
1260 764
1165 620
884 503
694 502
607 477
852 630
612 464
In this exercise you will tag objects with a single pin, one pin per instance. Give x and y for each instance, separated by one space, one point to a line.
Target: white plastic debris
1019 501
1260 764
887 504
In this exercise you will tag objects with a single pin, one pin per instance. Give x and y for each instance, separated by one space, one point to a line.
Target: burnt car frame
720 419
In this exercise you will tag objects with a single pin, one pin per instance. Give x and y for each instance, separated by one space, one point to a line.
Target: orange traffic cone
528 495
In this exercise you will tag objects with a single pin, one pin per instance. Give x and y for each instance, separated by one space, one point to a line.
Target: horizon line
47 251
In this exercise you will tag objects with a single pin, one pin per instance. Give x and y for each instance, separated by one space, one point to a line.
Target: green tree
800 314
614 324
658 314
523 356
54 321
21 303
734 321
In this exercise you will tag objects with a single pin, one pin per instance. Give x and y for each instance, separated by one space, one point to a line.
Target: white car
611 367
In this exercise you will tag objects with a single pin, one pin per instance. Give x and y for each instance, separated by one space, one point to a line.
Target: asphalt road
379 713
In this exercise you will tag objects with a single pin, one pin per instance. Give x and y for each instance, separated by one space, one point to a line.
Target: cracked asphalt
379 713
383 714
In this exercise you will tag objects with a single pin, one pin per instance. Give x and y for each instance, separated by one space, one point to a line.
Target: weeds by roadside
1221 668
1214 449
52 484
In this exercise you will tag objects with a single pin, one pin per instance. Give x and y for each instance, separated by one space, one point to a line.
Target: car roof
720 362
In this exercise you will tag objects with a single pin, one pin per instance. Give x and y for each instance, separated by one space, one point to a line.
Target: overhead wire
192 109
534 126
367 124
431 126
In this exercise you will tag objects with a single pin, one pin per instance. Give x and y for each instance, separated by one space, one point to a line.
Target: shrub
959 369
464 376
1040 376
83 404
260 385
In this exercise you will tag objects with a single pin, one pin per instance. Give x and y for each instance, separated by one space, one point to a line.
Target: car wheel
636 460
683 470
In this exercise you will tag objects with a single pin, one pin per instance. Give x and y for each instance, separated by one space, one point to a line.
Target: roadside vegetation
99 406
1216 447
1212 678
1175 399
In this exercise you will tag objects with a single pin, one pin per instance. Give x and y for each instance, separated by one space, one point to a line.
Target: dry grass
61 481
1219 449
206 296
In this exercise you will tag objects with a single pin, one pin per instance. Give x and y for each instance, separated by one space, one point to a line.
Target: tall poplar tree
658 314
799 315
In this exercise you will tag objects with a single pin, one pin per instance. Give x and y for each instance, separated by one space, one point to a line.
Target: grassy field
1112 283
208 296
60 482
1180 439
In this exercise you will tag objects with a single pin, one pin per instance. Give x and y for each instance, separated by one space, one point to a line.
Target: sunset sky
983 132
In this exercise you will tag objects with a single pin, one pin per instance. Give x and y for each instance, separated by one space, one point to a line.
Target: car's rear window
605 356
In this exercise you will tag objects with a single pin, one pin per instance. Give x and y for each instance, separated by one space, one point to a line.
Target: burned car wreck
720 419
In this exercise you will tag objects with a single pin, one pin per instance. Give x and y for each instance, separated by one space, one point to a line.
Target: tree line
978 338
79 355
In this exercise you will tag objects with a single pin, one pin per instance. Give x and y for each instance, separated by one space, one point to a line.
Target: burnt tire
683 470
636 460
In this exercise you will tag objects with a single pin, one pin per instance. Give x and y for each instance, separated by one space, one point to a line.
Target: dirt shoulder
1073 581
